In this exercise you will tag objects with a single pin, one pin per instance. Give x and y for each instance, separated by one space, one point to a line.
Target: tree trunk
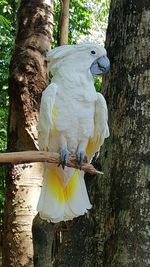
28 77
115 233
127 220
43 235
64 22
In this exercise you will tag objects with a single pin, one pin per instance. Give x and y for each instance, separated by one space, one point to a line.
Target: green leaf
5 22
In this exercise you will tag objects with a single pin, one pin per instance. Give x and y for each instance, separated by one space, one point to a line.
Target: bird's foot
64 156
80 157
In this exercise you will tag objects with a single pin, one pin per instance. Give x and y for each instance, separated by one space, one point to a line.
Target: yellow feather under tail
60 201
56 187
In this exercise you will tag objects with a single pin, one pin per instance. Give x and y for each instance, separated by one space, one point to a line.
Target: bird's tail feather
60 201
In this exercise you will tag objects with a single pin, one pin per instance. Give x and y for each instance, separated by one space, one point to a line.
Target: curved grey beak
100 66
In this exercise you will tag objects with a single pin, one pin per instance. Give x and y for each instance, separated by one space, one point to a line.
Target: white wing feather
101 130
45 116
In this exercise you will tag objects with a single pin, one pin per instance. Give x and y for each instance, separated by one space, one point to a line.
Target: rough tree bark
115 233
28 77
127 220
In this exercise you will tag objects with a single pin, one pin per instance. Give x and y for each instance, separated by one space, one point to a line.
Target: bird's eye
93 52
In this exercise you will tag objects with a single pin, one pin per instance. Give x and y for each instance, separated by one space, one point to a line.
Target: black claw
64 156
80 158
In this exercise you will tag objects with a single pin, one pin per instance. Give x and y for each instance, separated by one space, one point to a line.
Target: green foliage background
80 20
7 31
82 16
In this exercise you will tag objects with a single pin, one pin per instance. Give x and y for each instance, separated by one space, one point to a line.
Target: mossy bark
27 78
115 233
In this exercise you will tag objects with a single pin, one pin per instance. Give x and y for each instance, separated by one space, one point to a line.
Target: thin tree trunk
43 235
28 77
116 231
64 22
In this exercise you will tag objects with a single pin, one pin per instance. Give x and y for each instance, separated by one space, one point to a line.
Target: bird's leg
64 156
64 153
81 154
80 158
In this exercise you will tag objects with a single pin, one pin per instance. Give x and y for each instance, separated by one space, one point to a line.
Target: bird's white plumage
101 130
45 116
73 116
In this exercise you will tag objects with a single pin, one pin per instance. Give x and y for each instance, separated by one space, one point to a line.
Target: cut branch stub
42 156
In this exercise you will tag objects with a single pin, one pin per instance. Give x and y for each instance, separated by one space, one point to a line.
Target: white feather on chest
75 105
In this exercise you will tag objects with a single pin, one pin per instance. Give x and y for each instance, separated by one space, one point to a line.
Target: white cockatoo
73 119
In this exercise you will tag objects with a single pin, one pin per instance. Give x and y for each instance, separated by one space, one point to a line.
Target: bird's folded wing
47 116
101 130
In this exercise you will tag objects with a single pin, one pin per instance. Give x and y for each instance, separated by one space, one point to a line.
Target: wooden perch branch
41 156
